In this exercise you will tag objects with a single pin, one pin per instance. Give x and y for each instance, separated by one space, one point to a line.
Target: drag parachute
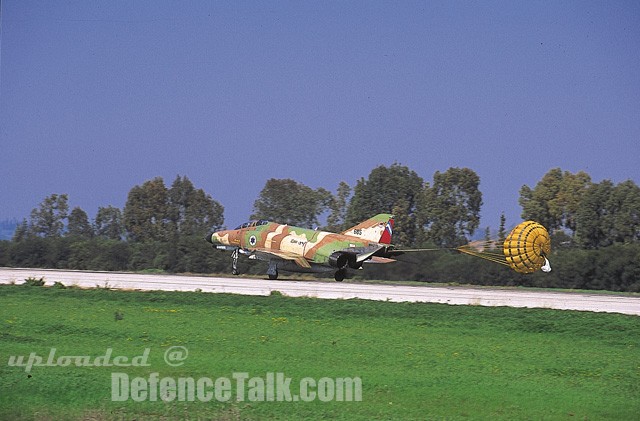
525 249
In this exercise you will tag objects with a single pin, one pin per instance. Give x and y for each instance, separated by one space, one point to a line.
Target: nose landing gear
234 262
272 272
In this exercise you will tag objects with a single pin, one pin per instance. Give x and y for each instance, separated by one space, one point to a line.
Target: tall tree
146 211
22 232
591 231
109 224
450 209
487 234
79 225
622 217
570 197
191 210
609 214
289 202
502 232
404 232
555 200
48 220
339 205
393 189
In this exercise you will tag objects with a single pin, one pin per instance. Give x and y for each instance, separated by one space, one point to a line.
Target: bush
34 282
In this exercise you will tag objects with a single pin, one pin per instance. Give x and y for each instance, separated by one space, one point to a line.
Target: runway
596 302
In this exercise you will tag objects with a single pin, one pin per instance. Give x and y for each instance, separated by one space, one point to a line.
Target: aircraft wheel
273 276
235 272
339 276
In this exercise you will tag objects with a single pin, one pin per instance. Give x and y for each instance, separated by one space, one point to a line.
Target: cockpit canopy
252 224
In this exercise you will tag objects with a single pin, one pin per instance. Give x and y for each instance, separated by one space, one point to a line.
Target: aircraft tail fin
378 229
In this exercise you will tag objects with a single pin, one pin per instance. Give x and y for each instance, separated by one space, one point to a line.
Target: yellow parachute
525 249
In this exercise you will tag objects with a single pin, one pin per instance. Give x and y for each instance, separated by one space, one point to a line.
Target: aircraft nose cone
213 238
218 238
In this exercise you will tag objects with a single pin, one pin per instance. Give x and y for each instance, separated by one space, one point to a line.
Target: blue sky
99 96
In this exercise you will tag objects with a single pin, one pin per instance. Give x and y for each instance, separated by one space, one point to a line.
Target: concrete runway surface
598 302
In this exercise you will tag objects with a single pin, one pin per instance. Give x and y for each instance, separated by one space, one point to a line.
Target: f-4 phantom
296 249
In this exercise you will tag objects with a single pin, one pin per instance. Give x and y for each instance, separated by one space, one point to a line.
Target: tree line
160 228
595 227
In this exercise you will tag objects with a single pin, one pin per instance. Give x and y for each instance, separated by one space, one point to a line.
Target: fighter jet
296 249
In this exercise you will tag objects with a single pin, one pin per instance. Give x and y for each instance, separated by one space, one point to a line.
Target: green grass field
416 361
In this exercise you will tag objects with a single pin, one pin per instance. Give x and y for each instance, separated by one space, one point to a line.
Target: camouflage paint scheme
304 250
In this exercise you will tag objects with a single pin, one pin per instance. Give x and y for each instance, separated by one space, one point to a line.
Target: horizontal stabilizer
364 256
378 259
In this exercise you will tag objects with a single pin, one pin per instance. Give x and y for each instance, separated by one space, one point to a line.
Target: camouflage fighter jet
297 249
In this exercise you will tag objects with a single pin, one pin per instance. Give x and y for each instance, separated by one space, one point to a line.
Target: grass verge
416 361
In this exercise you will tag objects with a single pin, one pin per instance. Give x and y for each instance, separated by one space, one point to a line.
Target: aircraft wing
266 254
360 256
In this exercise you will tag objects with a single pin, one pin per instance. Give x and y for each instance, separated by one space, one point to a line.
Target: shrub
34 282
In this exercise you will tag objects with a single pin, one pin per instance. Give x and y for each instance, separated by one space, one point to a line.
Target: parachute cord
417 250
432 249
524 250
495 257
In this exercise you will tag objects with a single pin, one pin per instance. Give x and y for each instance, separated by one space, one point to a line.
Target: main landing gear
340 275
272 272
